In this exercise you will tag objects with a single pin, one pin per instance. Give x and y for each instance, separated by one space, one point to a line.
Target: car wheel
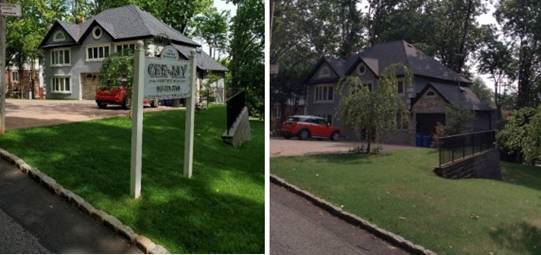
304 134
101 105
126 104
335 136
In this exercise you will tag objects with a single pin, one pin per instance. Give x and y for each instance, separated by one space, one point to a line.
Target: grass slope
399 192
220 210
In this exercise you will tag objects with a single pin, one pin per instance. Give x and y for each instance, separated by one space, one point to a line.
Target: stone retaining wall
481 165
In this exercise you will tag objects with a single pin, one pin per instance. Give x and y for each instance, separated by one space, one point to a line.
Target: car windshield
293 119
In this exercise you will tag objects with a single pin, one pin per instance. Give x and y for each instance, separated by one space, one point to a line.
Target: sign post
137 120
5 10
190 107
164 77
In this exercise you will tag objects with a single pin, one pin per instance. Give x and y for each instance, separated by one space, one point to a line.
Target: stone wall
482 165
239 132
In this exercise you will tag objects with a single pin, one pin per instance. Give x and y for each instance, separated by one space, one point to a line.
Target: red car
306 126
117 96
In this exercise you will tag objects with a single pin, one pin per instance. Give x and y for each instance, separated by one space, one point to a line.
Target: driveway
22 113
294 147
299 227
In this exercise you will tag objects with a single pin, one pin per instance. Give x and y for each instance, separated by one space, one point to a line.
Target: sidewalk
299 227
38 220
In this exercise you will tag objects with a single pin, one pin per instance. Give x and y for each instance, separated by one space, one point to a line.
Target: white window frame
98 46
359 67
55 36
125 43
63 57
62 86
15 76
321 93
94 32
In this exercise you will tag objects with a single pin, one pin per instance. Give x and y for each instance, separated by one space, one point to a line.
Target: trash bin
427 140
418 140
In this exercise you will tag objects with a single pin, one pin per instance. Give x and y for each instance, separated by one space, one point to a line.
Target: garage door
89 84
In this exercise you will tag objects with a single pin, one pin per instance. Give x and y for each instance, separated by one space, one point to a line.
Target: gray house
73 53
434 86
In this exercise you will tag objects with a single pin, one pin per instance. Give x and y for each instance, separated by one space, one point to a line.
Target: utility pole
5 10
2 72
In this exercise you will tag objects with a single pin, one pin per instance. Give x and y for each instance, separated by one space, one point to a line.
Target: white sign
10 10
167 77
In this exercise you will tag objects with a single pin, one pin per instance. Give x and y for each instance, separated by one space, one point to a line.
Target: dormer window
430 93
361 69
59 36
325 72
96 33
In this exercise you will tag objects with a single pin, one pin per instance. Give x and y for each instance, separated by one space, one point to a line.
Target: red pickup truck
118 96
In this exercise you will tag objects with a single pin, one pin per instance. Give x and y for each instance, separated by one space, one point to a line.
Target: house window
125 48
430 93
324 93
96 33
361 69
61 84
15 76
324 72
401 87
97 53
59 36
60 57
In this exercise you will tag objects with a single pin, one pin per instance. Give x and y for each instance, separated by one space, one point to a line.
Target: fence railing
235 104
456 147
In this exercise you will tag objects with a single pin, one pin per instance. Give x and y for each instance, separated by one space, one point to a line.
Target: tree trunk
524 76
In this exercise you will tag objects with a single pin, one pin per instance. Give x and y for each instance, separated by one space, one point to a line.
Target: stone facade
482 165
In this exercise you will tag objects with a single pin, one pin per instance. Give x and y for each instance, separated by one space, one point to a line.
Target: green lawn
400 193
220 210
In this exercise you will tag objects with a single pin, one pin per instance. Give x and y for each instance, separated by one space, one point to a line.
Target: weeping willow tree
372 111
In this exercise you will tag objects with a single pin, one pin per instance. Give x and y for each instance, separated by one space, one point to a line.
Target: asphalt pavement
34 220
299 227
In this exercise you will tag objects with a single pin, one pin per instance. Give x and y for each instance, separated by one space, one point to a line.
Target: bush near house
219 210
400 192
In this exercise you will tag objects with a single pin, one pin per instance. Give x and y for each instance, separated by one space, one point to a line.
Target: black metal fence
456 147
235 104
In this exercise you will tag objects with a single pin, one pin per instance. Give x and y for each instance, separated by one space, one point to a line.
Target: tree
246 51
212 26
481 90
456 119
207 91
521 21
496 59
25 34
372 110
117 70
522 133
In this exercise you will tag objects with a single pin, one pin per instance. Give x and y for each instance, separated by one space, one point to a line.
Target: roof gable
458 96
123 23
204 61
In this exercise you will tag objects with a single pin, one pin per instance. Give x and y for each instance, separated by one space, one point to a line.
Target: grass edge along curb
142 242
390 237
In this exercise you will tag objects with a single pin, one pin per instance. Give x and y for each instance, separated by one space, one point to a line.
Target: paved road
34 220
293 147
21 113
299 227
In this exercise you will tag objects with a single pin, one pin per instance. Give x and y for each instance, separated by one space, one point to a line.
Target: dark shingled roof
204 61
461 97
382 55
127 22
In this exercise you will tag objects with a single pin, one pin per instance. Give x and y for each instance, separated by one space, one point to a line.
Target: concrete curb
390 237
142 242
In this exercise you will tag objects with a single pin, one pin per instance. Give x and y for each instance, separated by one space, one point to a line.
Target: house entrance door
427 121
